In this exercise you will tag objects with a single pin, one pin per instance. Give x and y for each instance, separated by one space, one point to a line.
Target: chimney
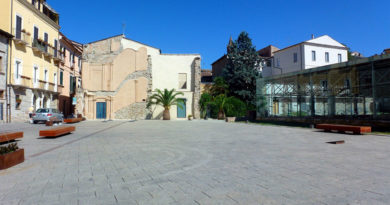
312 36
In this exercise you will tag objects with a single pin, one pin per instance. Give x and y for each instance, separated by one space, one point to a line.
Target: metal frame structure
354 89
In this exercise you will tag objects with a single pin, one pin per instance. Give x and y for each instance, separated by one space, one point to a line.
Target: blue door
101 110
181 110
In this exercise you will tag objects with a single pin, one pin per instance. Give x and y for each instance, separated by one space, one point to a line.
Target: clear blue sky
204 26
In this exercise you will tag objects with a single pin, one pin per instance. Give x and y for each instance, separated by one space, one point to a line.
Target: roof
317 41
70 42
124 38
358 61
205 72
218 59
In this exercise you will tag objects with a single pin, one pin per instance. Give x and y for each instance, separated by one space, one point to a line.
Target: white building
315 52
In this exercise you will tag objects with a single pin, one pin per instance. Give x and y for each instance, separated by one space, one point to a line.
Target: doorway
181 110
101 110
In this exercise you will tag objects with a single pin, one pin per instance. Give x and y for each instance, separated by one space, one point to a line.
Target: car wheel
35 122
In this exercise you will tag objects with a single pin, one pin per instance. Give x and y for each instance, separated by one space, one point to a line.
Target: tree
231 106
240 72
165 98
219 87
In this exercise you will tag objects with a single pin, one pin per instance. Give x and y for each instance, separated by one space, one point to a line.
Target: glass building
358 89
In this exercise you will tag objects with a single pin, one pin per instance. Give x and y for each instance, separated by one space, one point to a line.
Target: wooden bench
58 131
73 120
344 128
9 136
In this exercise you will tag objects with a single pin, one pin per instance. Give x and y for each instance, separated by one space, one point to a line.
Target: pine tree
240 72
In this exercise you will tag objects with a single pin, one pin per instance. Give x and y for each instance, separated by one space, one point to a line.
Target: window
46 39
36 32
35 74
327 57
17 69
182 80
55 47
55 78
18 31
295 57
18 101
277 63
61 77
324 84
340 59
313 55
45 76
79 83
1 94
347 83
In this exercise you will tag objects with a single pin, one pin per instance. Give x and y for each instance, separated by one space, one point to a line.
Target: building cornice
40 14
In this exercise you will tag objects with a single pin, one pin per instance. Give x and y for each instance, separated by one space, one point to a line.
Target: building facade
69 78
351 92
32 62
313 53
4 41
119 74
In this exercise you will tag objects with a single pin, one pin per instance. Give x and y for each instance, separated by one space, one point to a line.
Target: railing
21 37
49 51
52 87
23 81
38 45
41 85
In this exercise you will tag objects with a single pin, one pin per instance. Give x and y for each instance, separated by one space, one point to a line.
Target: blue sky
204 26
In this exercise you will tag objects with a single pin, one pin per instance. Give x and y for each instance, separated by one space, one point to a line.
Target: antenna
123 28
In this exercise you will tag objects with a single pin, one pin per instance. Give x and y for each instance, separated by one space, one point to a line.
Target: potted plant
165 98
190 117
18 100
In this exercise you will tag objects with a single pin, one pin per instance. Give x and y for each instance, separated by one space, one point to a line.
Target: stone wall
197 78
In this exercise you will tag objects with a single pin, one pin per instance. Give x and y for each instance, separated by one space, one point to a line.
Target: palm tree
165 98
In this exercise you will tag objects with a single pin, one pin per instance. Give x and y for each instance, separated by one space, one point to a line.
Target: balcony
22 37
23 81
58 56
49 51
52 87
38 46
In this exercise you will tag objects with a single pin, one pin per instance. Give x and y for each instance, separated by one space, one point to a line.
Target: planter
11 159
230 119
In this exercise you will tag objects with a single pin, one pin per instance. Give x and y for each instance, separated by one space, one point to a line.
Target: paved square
197 162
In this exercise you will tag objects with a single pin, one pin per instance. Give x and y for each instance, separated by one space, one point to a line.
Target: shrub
8 148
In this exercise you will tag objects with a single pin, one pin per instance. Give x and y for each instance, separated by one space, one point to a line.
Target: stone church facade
120 74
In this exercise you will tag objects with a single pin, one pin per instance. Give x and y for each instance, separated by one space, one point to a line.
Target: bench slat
8 136
73 120
57 131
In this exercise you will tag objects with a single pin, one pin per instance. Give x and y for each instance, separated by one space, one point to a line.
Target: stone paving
197 162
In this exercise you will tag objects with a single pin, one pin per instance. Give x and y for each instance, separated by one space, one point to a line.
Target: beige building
32 60
69 82
119 74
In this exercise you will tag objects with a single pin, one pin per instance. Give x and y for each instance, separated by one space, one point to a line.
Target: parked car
47 114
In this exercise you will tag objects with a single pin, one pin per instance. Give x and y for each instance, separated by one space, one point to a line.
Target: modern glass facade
355 89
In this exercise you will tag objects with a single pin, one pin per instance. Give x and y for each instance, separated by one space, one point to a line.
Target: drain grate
336 142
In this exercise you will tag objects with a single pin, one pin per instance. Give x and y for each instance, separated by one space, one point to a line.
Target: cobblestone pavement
197 162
